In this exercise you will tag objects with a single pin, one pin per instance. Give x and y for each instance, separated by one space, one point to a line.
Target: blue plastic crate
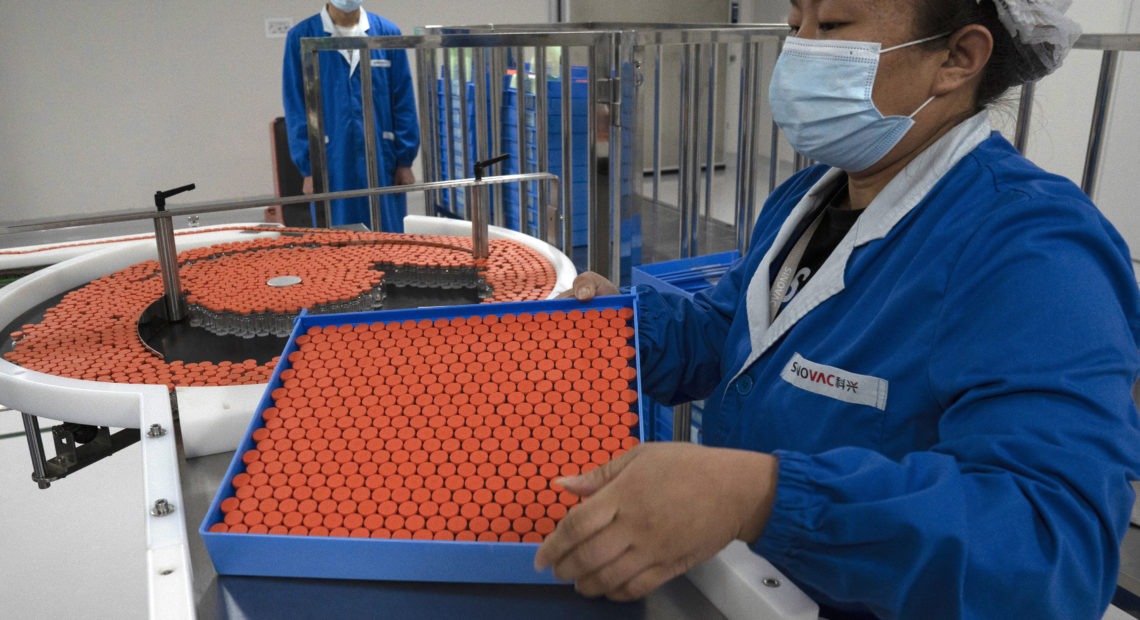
280 555
579 152
685 276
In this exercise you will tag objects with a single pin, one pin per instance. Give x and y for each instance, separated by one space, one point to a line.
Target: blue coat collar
898 198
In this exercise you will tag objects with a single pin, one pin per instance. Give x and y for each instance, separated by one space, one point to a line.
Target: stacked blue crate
509 125
686 276
579 148
451 156
451 153
451 148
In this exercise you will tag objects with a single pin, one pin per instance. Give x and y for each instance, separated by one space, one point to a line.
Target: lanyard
788 270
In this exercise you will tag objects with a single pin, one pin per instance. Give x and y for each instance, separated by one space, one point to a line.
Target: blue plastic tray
384 559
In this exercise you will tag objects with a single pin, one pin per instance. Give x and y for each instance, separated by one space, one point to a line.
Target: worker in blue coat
393 102
917 380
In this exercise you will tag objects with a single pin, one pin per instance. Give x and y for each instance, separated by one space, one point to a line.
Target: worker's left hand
655 512
403 176
588 285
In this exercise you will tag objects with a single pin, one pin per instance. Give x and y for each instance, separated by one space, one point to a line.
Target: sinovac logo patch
836 383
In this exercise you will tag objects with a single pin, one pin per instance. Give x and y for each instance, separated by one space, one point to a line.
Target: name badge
836 383
387 135
383 63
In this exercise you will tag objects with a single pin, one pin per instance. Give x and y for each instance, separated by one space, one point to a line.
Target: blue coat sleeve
682 339
293 98
1019 509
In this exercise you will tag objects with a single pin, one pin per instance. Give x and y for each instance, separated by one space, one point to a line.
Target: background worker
393 100
935 420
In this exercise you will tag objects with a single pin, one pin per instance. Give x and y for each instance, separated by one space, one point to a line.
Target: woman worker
917 380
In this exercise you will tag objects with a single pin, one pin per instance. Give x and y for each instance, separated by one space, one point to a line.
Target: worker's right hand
589 285
656 511
307 185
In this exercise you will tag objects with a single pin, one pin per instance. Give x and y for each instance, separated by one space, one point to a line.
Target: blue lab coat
397 130
949 396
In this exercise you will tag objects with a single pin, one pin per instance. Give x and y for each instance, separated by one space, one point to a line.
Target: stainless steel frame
532 47
616 56
447 53
705 52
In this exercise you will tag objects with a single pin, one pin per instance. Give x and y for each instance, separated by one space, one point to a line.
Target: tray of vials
421 445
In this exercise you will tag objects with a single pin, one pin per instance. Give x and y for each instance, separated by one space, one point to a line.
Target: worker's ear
968 51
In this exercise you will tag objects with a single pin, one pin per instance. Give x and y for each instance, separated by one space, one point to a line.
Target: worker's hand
589 285
655 512
307 185
403 176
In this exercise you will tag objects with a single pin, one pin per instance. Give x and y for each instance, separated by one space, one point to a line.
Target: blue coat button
744 385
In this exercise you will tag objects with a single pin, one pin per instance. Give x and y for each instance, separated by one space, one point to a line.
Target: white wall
102 103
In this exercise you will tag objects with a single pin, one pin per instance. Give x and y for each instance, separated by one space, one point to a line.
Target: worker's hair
1004 70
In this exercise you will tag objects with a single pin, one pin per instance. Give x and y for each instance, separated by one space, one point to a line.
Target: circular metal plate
283 281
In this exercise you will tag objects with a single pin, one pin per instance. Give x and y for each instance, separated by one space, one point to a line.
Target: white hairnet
1041 31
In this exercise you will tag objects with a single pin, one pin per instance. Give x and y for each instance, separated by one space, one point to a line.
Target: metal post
621 78
710 134
521 133
479 245
36 449
800 162
429 109
480 194
687 197
168 263
370 157
465 128
542 144
480 211
750 204
1100 118
656 123
683 236
752 199
498 69
168 256
1024 115
682 422
566 213
449 131
744 134
315 120
774 162
597 259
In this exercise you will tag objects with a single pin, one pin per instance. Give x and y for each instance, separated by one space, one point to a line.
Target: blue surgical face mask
821 99
347 6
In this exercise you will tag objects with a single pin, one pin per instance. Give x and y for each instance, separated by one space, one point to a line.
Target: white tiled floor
77 549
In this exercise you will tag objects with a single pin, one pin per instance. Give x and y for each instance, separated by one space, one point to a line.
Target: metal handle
168 255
